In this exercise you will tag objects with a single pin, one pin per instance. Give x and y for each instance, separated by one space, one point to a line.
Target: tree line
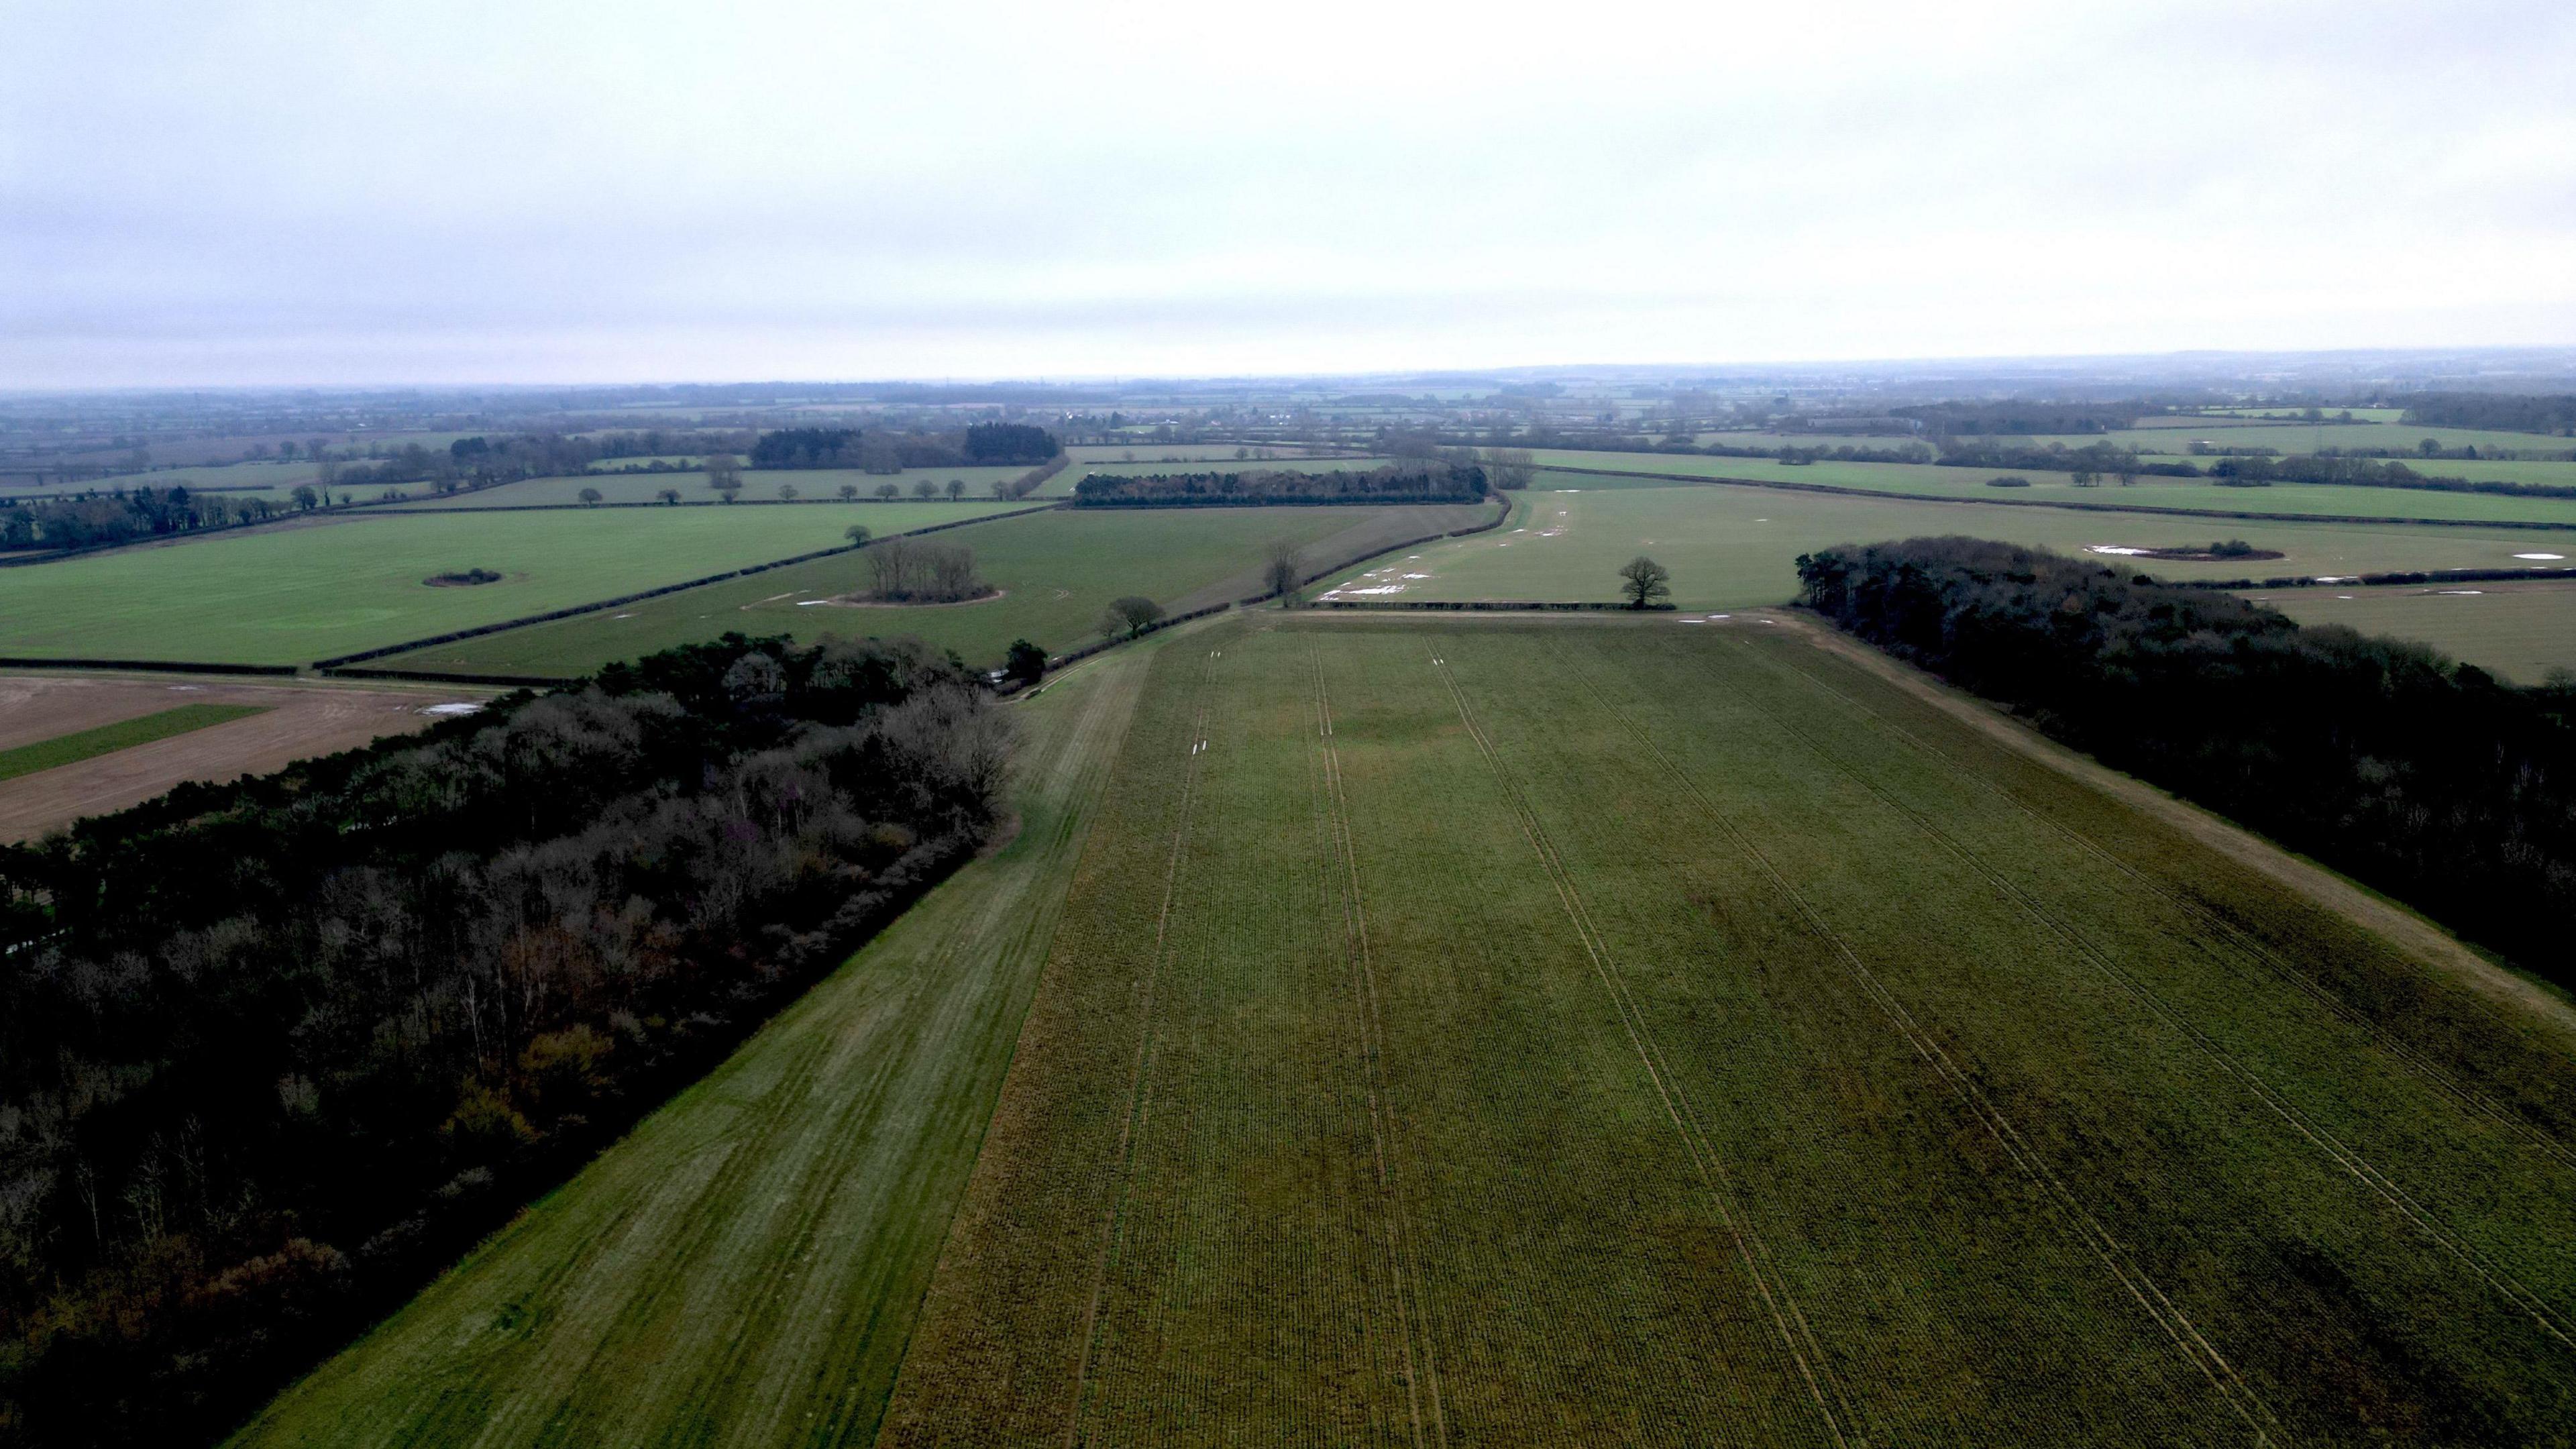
124 515
2495 411
922 571
272 1052
1390 483
2426 778
879 450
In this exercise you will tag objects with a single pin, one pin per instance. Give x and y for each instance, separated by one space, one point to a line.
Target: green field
2178 434
124 734
742 1268
1929 479
297 593
1058 570
1574 1032
2519 630
1737 547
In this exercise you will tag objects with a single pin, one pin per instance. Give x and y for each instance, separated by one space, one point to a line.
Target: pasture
1928 479
1057 570
1634 1032
295 593
1737 547
2521 630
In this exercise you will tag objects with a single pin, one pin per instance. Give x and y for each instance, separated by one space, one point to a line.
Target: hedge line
441 676
551 615
2407 576
1087 650
1501 516
1477 606
158 666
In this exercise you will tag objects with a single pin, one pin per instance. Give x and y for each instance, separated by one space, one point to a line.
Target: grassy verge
123 735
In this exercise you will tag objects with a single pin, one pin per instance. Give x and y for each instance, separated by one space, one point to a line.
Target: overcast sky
527 191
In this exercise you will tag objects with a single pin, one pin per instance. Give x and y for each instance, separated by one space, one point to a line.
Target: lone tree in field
786 492
726 488
956 489
925 490
591 496
889 492
1132 613
1642 582
1285 570
857 534
669 495
849 491
724 469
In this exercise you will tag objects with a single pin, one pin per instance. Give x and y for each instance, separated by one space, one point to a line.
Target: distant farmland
1057 570
1736 547
293 594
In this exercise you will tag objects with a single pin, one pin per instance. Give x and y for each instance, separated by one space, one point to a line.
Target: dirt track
303 719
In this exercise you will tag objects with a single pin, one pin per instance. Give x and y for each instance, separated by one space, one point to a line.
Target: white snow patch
2121 549
809 603
2463 593
187 689
449 711
2544 556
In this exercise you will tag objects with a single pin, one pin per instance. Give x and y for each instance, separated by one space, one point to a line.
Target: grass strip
125 734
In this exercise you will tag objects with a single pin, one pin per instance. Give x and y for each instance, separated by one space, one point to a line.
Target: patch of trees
916 571
461 577
990 443
274 1051
2428 779
2498 412
124 515
2007 419
1391 483
807 448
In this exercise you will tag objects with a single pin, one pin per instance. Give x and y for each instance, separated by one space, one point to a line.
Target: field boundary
572 611
1497 606
2397 577
149 666
1498 520
441 676
2068 504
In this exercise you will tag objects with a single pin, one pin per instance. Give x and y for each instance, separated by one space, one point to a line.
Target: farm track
1422 1380
2404 1054
2222 1376
1796 1337
2341 1153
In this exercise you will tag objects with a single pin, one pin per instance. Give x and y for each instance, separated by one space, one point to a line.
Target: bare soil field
303 720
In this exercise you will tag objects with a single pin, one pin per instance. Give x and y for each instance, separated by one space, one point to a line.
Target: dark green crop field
1674 1035
1572 1032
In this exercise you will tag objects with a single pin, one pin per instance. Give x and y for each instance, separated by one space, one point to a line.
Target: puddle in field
187 689
2461 593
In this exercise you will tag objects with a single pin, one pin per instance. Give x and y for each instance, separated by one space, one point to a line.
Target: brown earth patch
303 720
